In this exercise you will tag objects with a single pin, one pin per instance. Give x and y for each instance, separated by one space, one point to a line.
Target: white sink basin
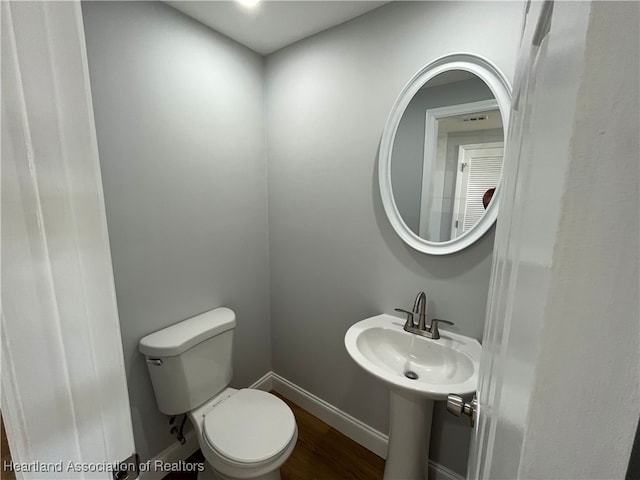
447 365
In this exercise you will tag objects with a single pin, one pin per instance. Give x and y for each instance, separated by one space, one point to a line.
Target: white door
64 394
559 379
479 169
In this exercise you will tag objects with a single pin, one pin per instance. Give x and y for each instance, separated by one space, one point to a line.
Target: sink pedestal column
409 432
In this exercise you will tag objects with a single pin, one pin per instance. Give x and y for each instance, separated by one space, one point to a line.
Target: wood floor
322 453
5 474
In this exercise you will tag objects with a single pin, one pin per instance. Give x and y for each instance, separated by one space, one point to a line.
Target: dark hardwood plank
5 474
321 453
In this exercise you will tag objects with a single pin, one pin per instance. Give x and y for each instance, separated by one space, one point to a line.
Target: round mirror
441 153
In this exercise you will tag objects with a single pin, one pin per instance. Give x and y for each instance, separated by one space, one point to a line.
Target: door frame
434 191
563 312
463 150
64 390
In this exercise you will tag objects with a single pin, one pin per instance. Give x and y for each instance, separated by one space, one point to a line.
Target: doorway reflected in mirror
447 152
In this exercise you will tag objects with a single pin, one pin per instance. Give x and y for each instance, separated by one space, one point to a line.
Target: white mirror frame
501 89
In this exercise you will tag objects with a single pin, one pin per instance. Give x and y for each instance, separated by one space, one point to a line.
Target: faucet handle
409 322
435 333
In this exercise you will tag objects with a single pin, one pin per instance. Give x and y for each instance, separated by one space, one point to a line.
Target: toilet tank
190 362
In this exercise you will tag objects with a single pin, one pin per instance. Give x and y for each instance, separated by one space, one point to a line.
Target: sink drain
411 375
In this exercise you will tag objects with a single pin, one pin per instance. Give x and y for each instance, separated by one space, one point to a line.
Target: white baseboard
353 428
172 454
264 383
440 472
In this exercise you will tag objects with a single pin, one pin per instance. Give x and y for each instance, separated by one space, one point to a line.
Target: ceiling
272 24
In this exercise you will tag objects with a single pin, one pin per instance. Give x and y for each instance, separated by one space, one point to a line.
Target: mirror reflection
447 156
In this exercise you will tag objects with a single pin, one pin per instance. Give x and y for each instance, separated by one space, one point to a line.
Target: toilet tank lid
178 338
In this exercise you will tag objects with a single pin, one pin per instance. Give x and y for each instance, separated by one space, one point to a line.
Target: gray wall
179 117
334 256
408 146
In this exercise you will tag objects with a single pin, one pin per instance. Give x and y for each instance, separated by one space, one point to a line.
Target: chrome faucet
419 307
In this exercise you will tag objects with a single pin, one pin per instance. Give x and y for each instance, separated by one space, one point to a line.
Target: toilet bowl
243 434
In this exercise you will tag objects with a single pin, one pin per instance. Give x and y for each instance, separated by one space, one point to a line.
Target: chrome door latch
457 406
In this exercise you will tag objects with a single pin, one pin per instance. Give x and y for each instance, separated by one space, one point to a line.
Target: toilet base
210 474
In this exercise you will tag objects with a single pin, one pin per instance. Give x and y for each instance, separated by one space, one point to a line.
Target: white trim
461 195
358 431
264 383
353 428
440 472
501 89
172 454
59 297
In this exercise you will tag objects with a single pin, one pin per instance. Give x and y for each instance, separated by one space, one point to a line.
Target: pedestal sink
418 370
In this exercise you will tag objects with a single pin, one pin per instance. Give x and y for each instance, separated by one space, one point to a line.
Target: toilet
243 434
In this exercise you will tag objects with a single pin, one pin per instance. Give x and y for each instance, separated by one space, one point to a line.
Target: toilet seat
250 429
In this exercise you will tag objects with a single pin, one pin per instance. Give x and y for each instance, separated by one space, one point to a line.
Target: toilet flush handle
154 361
